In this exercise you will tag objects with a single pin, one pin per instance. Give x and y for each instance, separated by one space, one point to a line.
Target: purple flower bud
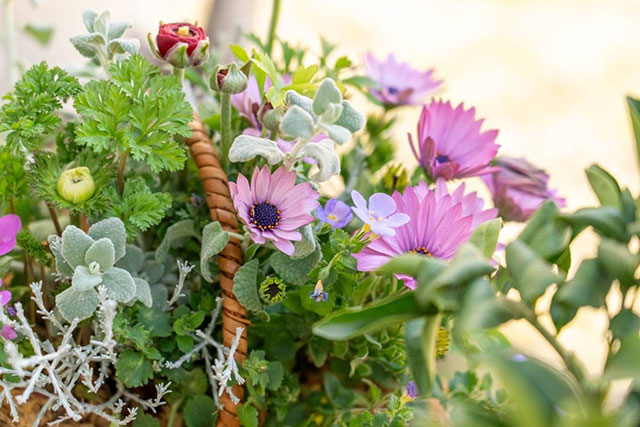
335 213
8 332
412 390
318 294
519 188
11 310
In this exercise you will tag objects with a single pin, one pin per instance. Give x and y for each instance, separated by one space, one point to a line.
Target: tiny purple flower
8 332
398 83
379 214
519 188
335 213
9 226
11 310
412 390
318 293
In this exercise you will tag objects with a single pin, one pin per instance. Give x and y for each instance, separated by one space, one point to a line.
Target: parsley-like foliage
138 110
29 114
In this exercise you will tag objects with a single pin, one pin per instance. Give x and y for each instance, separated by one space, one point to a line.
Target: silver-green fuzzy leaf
113 229
175 233
120 46
245 286
327 93
74 304
102 252
351 119
337 133
119 284
328 162
83 279
89 17
305 246
297 123
245 148
143 292
295 271
74 245
294 98
214 239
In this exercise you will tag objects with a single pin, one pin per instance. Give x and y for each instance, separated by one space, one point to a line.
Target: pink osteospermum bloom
450 144
273 207
398 83
440 223
248 102
9 226
519 188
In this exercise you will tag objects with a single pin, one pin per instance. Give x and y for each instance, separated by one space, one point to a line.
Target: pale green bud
228 79
76 185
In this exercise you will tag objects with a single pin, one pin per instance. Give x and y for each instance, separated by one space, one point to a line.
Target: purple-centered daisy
398 83
9 226
273 207
450 144
379 215
336 213
440 223
519 188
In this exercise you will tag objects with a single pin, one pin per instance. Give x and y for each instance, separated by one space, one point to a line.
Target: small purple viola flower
379 215
398 83
440 223
450 144
412 390
318 293
336 213
9 226
273 207
8 333
519 188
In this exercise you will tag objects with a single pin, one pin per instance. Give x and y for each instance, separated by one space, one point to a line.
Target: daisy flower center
442 158
264 215
393 90
421 251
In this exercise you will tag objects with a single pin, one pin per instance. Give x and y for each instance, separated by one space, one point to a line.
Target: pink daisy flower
440 223
9 226
450 144
273 207
519 188
248 102
398 83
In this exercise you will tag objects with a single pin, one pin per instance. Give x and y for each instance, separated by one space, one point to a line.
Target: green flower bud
228 79
270 117
76 185
272 290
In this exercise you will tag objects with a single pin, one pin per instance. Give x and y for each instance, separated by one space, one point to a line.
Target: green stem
54 218
104 62
174 412
179 72
275 15
225 127
121 166
292 157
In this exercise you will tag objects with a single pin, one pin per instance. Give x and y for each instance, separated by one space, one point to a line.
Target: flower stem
174 412
54 218
121 166
275 15
292 158
179 72
104 62
225 127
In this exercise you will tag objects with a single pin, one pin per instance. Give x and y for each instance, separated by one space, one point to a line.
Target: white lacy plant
89 261
305 118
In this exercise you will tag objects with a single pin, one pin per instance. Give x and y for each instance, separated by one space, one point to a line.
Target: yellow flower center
332 217
184 31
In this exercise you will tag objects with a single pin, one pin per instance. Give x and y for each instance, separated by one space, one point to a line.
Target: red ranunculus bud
181 44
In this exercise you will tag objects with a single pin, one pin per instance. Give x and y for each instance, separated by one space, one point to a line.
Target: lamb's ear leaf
336 132
133 259
77 304
328 162
74 245
351 119
327 93
297 123
120 46
119 284
214 239
62 267
103 252
176 232
246 147
89 17
84 280
143 292
113 229
294 98
117 29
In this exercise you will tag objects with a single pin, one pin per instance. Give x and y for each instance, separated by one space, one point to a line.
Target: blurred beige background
551 75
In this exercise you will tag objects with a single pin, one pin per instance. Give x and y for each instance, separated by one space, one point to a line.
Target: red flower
179 32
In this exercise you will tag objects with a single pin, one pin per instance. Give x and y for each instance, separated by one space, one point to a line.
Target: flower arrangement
170 256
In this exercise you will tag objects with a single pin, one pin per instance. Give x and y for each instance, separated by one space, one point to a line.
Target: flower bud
272 290
180 44
76 185
270 117
228 79
395 178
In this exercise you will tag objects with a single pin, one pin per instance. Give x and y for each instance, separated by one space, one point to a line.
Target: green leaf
214 240
531 274
624 363
340 396
616 259
157 322
297 123
295 271
185 343
42 34
544 215
199 411
607 221
133 369
112 229
624 324
175 233
304 74
318 349
245 286
247 147
420 339
239 52
319 307
352 322
144 420
77 304
248 415
605 186
485 236
634 112
275 372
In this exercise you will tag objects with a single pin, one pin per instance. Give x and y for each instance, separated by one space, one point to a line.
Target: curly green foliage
138 206
47 168
12 175
29 114
138 110
33 247
67 147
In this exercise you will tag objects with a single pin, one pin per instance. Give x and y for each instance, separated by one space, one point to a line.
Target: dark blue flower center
421 251
441 158
264 215
393 90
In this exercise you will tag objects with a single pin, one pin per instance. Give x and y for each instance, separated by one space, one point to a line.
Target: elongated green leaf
604 185
485 236
245 286
421 334
531 274
607 221
634 112
214 239
624 363
616 259
355 321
